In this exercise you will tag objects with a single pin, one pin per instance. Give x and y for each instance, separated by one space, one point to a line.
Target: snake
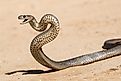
47 34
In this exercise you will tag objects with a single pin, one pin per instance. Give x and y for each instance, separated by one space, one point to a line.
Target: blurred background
85 25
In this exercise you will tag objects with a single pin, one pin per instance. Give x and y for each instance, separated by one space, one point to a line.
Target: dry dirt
85 25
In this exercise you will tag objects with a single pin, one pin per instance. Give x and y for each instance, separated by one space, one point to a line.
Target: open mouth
24 21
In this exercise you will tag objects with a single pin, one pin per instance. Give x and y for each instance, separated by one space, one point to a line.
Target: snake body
50 34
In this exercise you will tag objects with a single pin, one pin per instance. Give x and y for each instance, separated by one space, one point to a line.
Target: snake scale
111 47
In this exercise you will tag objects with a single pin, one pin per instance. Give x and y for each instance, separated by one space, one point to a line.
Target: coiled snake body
111 49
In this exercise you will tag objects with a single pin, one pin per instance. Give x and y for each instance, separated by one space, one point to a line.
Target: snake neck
48 35
41 26
44 38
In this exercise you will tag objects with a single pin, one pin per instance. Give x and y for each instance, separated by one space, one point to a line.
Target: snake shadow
26 72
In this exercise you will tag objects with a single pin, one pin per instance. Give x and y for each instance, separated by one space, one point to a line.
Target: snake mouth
24 21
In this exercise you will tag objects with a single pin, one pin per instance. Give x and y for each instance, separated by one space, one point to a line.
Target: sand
85 25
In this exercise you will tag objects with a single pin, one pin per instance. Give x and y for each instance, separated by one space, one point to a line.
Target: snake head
25 18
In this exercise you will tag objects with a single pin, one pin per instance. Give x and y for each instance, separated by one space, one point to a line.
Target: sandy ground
85 25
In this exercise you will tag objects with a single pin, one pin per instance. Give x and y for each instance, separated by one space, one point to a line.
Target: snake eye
24 16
